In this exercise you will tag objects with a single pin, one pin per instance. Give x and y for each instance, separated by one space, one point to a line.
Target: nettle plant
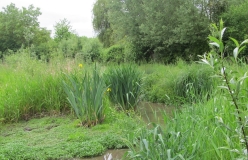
234 84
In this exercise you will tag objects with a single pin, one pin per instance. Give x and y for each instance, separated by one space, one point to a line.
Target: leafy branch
215 59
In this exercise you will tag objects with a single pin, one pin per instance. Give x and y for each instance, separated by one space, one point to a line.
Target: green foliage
91 50
114 53
125 84
159 82
86 97
176 84
112 141
236 21
68 47
80 48
195 84
151 28
201 131
21 27
153 144
62 30
43 51
232 81
101 23
29 89
57 137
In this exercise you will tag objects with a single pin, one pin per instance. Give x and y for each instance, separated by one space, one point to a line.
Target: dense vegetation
80 96
165 30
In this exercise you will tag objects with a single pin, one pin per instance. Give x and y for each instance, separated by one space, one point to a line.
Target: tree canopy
19 27
162 30
63 30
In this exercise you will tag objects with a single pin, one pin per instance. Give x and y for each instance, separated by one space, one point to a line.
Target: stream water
150 112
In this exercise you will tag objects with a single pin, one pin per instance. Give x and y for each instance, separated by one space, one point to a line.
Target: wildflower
109 90
80 65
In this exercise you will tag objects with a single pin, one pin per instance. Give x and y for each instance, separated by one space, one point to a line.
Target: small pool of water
117 154
154 112
150 113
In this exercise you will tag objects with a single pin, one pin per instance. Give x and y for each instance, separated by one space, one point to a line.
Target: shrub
114 53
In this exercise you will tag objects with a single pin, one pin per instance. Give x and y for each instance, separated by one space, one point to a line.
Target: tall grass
194 84
86 97
177 84
158 82
29 88
125 83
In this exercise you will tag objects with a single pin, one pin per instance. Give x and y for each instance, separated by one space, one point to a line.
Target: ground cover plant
29 90
62 137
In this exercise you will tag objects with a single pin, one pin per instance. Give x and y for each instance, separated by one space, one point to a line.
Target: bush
114 53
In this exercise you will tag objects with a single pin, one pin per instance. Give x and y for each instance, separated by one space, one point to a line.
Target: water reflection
154 112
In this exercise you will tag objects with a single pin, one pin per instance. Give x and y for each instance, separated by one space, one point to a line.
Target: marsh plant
86 96
125 84
234 82
29 89
194 85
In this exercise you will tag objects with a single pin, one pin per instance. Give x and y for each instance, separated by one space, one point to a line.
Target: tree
161 29
236 20
18 26
101 22
42 44
63 30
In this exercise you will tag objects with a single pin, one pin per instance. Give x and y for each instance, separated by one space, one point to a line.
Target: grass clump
86 97
158 83
194 84
125 85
